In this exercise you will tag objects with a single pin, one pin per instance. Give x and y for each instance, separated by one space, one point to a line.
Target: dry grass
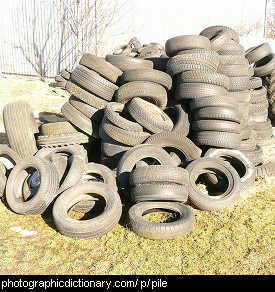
236 240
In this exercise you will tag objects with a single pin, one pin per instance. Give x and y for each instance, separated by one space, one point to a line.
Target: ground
235 240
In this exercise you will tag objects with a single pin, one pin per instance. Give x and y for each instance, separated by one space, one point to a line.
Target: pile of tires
62 78
145 126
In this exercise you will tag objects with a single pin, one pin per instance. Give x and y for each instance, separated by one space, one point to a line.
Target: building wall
34 40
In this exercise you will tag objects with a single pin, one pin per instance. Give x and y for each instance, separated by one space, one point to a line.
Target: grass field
236 240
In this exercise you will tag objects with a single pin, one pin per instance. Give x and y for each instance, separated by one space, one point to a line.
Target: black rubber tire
232 48
232 70
113 149
239 83
150 116
131 157
158 174
153 230
92 228
249 144
258 95
63 139
93 82
115 113
122 136
213 165
186 42
143 89
57 128
203 77
196 90
20 127
256 53
177 141
186 62
265 66
213 29
265 169
218 38
243 95
159 62
218 139
213 101
216 125
239 161
256 156
85 95
91 112
219 113
179 114
159 192
8 157
266 141
80 120
101 66
65 73
150 75
255 82
43 196
127 63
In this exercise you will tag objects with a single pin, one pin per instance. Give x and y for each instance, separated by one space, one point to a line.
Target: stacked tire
263 62
62 78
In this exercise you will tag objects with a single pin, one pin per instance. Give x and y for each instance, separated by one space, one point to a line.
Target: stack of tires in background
263 61
148 118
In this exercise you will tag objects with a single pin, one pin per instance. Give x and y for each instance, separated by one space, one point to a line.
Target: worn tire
92 228
213 165
152 230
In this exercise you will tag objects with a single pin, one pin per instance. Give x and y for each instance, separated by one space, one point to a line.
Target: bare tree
71 28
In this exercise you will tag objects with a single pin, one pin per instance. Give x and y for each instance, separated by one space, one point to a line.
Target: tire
159 63
113 149
159 174
218 139
258 95
143 89
180 117
96 115
63 139
151 117
240 96
214 165
197 90
66 74
214 29
8 157
93 82
20 127
186 62
232 60
127 63
203 77
131 157
256 53
101 66
216 125
116 112
150 75
85 95
231 70
239 161
152 230
42 197
239 83
179 142
186 42
213 101
92 228
218 113
57 128
266 141
159 192
265 66
232 48
249 144
79 120
256 156
218 39
265 169
123 136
